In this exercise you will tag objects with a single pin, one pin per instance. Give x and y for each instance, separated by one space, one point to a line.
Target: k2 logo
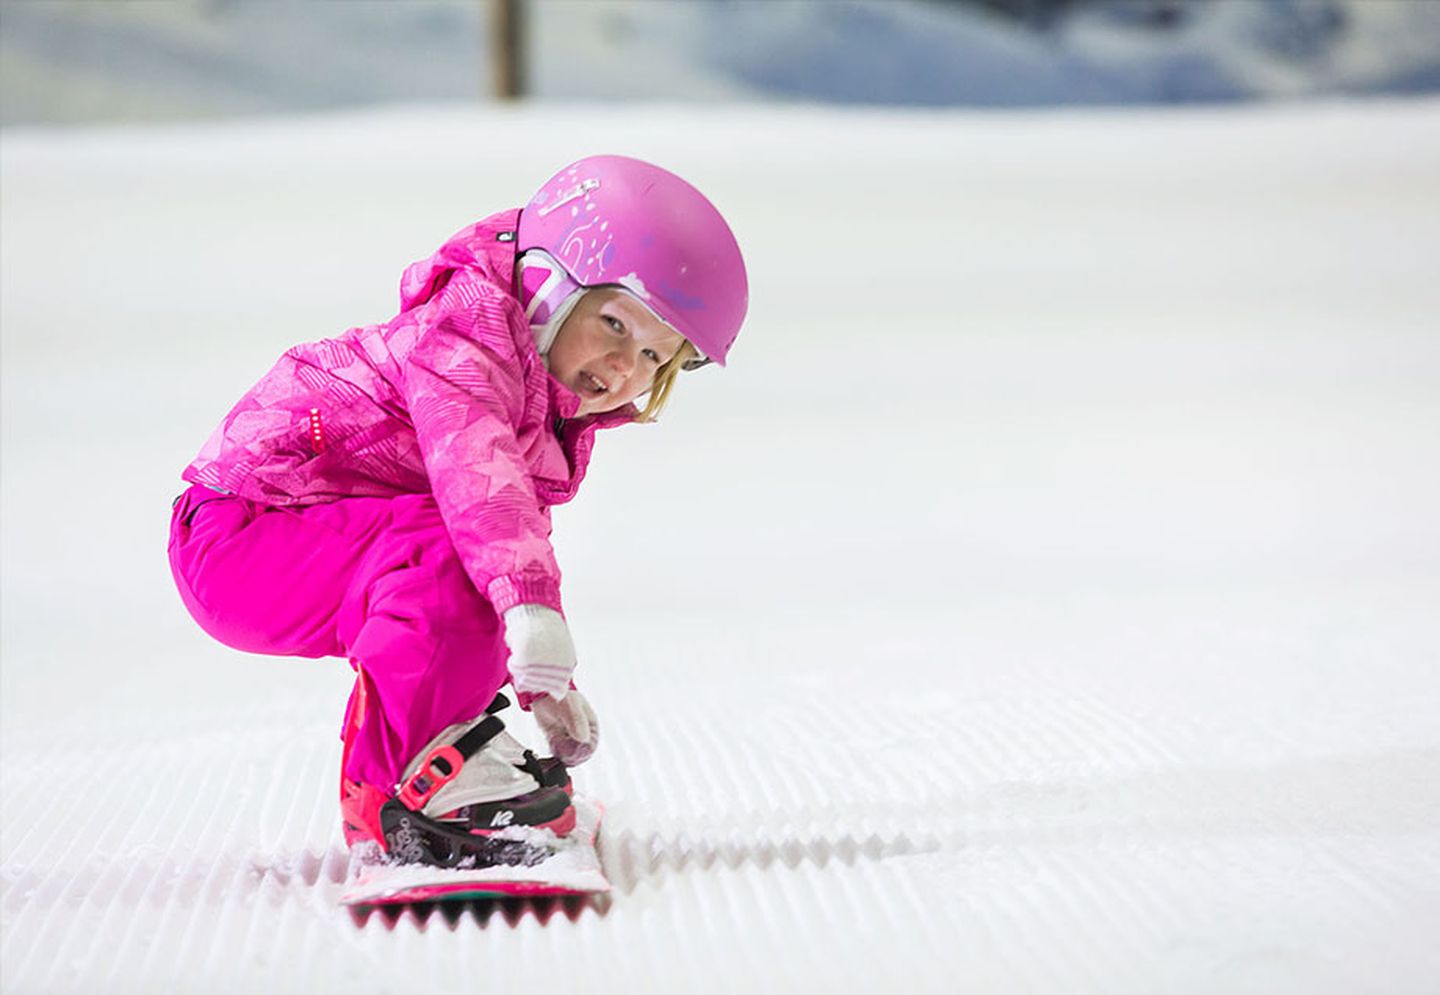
502 818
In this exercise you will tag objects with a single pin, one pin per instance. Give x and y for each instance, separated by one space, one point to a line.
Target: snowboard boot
469 783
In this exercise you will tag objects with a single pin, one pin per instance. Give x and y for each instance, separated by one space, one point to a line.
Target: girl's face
609 348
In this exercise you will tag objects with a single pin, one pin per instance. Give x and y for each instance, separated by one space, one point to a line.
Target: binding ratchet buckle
438 769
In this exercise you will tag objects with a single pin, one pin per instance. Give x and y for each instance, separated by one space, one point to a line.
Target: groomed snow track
1043 602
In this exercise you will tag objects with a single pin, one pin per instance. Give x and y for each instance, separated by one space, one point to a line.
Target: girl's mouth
592 384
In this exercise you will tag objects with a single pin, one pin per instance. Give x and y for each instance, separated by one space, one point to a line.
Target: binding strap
442 764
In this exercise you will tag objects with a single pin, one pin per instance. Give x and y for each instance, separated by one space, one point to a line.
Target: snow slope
1043 601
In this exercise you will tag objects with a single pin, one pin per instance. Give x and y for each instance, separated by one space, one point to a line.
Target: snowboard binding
413 838
467 834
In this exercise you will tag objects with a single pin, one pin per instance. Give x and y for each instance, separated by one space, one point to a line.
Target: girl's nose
623 359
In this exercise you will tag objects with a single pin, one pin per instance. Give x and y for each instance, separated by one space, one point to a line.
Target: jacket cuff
506 592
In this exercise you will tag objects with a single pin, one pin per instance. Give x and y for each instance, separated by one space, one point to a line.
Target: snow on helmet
612 220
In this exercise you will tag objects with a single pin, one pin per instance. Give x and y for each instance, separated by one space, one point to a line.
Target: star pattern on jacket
501 471
533 550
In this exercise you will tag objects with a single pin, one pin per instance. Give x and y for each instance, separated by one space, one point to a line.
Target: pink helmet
611 220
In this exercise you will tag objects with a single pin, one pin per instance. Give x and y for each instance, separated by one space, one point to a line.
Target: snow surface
1044 600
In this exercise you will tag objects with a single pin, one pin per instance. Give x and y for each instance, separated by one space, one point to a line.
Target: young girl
384 496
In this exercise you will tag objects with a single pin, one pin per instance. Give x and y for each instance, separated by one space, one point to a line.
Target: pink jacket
450 396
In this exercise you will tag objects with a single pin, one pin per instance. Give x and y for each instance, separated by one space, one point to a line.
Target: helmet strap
545 334
547 293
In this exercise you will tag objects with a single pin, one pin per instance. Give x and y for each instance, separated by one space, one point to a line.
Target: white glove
569 725
542 655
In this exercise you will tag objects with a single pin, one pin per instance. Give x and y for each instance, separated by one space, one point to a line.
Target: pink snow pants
374 580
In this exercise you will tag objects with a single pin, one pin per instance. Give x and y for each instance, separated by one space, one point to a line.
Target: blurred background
71 61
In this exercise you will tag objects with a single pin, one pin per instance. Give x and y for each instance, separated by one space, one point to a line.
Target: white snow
1043 600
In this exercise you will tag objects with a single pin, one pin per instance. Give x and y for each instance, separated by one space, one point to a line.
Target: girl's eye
615 324
653 356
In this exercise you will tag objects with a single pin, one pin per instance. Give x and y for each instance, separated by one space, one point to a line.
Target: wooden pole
507 48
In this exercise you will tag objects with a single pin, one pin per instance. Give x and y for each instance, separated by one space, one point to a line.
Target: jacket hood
487 246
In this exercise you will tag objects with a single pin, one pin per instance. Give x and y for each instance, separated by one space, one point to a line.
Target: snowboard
572 867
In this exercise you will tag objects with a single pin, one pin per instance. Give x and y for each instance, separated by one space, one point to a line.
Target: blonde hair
664 382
